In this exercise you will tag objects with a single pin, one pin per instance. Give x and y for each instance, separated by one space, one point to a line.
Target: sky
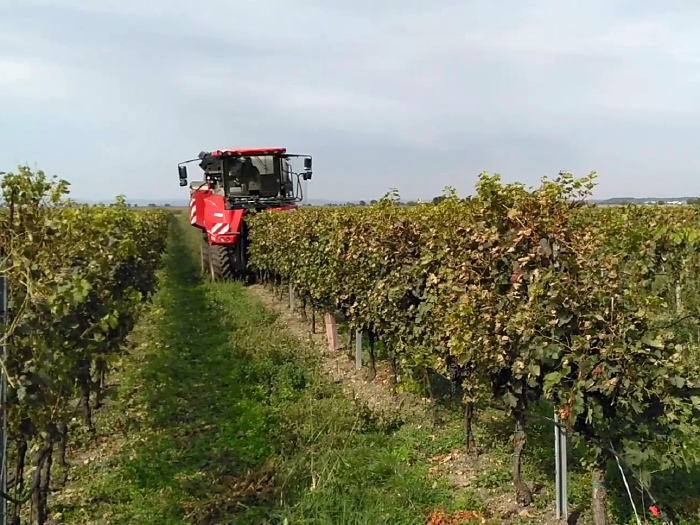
406 94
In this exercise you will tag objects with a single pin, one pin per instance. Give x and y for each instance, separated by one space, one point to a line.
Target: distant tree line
435 200
151 205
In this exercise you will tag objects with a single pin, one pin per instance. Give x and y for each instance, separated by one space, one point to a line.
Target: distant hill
179 202
321 202
138 202
636 200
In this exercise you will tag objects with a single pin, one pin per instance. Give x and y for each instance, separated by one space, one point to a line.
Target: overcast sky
417 95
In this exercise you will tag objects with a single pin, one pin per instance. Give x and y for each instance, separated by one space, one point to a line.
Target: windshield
258 176
265 164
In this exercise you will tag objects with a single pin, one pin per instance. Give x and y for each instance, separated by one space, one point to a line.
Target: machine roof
242 152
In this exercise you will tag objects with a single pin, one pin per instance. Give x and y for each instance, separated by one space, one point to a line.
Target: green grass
222 417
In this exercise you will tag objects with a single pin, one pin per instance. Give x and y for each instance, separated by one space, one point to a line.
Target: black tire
204 254
242 269
220 263
241 251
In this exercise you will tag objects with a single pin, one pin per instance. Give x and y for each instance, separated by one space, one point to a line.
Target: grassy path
220 416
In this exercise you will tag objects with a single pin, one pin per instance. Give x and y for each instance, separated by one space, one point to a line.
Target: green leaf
510 400
656 342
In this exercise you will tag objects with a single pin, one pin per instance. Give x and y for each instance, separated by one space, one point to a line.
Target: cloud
30 80
413 95
15 72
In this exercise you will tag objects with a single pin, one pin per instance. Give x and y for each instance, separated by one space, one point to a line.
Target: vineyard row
77 277
520 296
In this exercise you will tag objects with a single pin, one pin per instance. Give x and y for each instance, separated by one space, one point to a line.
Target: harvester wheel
204 254
241 257
220 265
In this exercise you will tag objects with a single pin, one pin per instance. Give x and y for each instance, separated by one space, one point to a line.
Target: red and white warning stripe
220 228
193 213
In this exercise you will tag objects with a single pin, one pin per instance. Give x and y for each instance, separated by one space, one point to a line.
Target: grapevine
78 276
526 295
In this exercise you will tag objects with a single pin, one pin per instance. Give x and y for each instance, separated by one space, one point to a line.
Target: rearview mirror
182 172
307 163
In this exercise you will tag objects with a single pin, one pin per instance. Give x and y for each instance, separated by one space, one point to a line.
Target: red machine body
208 212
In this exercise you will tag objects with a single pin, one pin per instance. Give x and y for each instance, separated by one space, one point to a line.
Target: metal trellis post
358 349
562 511
560 474
3 391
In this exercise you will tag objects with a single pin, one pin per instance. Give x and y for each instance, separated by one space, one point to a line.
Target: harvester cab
237 182
258 178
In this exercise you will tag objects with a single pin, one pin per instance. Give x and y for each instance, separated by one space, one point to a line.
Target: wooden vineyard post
331 331
358 349
291 297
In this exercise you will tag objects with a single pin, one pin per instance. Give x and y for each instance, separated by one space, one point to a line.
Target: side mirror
307 163
182 173
183 182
